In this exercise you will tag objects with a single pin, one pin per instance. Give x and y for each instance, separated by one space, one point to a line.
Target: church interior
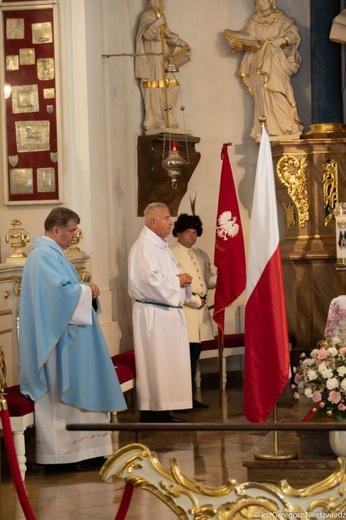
85 117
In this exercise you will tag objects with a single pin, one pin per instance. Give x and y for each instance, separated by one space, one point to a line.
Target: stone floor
207 457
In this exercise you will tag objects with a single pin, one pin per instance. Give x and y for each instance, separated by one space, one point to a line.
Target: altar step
314 459
298 472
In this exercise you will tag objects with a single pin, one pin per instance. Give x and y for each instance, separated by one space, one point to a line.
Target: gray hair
151 210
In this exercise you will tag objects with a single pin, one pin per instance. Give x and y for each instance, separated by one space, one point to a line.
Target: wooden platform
314 458
298 472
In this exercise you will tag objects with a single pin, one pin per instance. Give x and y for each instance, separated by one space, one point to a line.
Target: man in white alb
159 289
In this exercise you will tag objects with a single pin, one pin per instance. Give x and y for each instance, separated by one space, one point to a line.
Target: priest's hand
95 291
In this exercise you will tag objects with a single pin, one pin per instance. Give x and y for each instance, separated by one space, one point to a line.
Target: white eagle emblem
227 225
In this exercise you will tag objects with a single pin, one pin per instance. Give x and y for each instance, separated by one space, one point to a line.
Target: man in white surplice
159 290
65 366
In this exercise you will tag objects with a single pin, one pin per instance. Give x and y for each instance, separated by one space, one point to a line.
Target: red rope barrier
125 502
13 461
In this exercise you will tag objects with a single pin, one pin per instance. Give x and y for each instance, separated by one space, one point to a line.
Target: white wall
218 109
102 118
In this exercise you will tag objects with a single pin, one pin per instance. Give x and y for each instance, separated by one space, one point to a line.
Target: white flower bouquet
321 377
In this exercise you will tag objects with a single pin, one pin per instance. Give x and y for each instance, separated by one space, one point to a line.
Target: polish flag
229 256
267 360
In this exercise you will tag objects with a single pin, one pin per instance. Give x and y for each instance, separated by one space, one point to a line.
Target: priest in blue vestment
64 363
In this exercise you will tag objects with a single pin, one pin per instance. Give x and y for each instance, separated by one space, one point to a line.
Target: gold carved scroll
291 172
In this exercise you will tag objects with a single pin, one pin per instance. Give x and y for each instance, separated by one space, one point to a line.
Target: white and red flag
229 256
266 335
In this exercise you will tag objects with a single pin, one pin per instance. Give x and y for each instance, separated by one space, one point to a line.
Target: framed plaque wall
30 136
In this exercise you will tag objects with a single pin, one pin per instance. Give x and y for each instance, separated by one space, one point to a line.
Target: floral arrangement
321 377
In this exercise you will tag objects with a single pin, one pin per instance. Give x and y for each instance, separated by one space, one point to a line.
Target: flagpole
275 455
221 361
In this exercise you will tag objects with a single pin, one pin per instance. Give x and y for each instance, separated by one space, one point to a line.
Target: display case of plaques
30 101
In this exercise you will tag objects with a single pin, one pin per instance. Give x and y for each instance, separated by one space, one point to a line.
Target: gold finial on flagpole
262 119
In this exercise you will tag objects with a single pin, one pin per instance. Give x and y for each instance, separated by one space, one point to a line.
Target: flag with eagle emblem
229 256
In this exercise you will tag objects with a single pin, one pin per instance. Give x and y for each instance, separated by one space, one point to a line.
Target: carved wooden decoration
191 500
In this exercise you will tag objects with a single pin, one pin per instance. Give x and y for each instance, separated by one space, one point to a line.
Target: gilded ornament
25 99
83 275
48 93
12 62
188 499
21 181
46 180
45 69
42 32
330 189
15 28
290 215
18 288
291 173
27 56
74 248
3 370
18 238
32 136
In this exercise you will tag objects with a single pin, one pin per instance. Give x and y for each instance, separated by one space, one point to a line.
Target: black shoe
70 467
75 467
149 416
198 404
185 410
171 419
96 462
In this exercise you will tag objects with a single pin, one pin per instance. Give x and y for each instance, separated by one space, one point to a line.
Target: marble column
326 75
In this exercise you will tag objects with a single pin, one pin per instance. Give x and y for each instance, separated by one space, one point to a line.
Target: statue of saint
155 45
270 42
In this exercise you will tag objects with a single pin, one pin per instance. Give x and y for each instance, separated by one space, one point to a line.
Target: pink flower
322 353
341 407
334 397
316 396
342 351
